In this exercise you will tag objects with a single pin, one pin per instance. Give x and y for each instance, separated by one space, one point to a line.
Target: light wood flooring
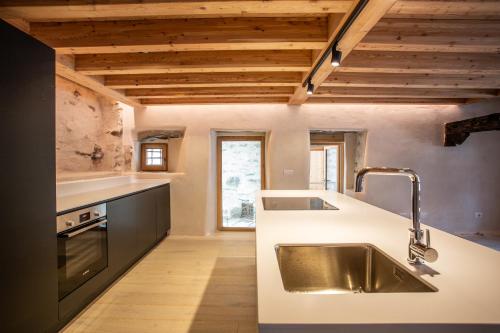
186 284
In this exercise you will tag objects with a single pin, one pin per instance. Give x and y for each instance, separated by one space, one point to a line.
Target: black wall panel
28 256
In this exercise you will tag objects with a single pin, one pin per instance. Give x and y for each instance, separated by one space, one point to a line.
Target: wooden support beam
366 20
373 92
73 10
424 35
469 9
193 62
214 100
64 68
398 80
19 23
457 132
205 80
183 35
210 92
359 100
421 63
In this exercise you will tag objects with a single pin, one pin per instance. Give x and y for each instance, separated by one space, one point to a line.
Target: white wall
457 181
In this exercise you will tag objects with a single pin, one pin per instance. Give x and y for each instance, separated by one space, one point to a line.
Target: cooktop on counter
296 203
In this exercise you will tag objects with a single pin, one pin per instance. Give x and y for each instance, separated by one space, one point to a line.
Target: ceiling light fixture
310 88
336 56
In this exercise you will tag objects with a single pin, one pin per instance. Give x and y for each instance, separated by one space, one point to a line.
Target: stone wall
89 131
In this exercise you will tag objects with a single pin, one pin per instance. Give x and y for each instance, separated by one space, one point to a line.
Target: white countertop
75 194
468 276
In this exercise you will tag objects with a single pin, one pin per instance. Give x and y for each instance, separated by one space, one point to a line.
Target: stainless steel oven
82 246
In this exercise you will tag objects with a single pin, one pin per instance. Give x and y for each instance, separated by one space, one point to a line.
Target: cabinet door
163 211
146 221
28 243
122 245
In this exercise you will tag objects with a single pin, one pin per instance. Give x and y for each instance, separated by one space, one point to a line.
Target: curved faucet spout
417 234
385 171
415 180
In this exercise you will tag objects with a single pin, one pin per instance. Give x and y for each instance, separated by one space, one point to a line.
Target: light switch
288 172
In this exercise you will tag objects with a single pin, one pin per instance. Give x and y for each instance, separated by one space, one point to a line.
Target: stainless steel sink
344 268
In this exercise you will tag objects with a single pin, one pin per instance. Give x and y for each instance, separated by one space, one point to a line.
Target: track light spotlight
336 56
310 87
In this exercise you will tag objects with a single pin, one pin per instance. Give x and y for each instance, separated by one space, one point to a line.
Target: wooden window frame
221 139
158 168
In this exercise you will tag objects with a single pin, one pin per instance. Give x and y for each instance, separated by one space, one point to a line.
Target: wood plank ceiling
175 52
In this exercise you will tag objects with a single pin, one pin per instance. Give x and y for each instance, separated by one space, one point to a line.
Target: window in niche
154 157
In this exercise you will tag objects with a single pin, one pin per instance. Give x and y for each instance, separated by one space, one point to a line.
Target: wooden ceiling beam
373 92
210 92
371 100
204 80
183 35
72 10
214 100
366 20
424 35
19 23
457 132
421 63
469 9
193 62
397 80
65 69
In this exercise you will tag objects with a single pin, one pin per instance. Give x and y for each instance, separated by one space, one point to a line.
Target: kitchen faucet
417 250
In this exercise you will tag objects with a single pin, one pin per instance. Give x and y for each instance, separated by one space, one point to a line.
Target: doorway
240 173
327 167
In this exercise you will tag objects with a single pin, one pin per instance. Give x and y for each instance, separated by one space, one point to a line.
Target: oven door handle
79 231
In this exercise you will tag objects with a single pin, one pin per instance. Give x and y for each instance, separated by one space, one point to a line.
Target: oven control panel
73 219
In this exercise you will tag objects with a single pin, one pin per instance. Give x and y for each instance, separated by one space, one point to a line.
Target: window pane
154 157
241 178
156 161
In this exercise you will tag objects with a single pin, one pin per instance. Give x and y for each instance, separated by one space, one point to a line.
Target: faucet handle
427 237
417 250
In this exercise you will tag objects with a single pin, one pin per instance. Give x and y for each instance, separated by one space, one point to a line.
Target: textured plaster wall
88 123
457 181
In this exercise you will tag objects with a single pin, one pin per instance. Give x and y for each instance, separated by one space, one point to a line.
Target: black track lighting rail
355 13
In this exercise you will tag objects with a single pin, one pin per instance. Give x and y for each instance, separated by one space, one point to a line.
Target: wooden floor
186 284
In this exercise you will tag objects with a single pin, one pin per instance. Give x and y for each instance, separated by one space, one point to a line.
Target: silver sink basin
344 268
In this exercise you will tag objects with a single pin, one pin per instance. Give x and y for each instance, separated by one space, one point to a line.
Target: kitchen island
466 274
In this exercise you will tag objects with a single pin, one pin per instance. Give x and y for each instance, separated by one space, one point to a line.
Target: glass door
326 167
240 171
317 169
331 168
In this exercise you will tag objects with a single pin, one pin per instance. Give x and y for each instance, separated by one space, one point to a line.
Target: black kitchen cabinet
162 211
146 221
28 244
133 226
122 219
